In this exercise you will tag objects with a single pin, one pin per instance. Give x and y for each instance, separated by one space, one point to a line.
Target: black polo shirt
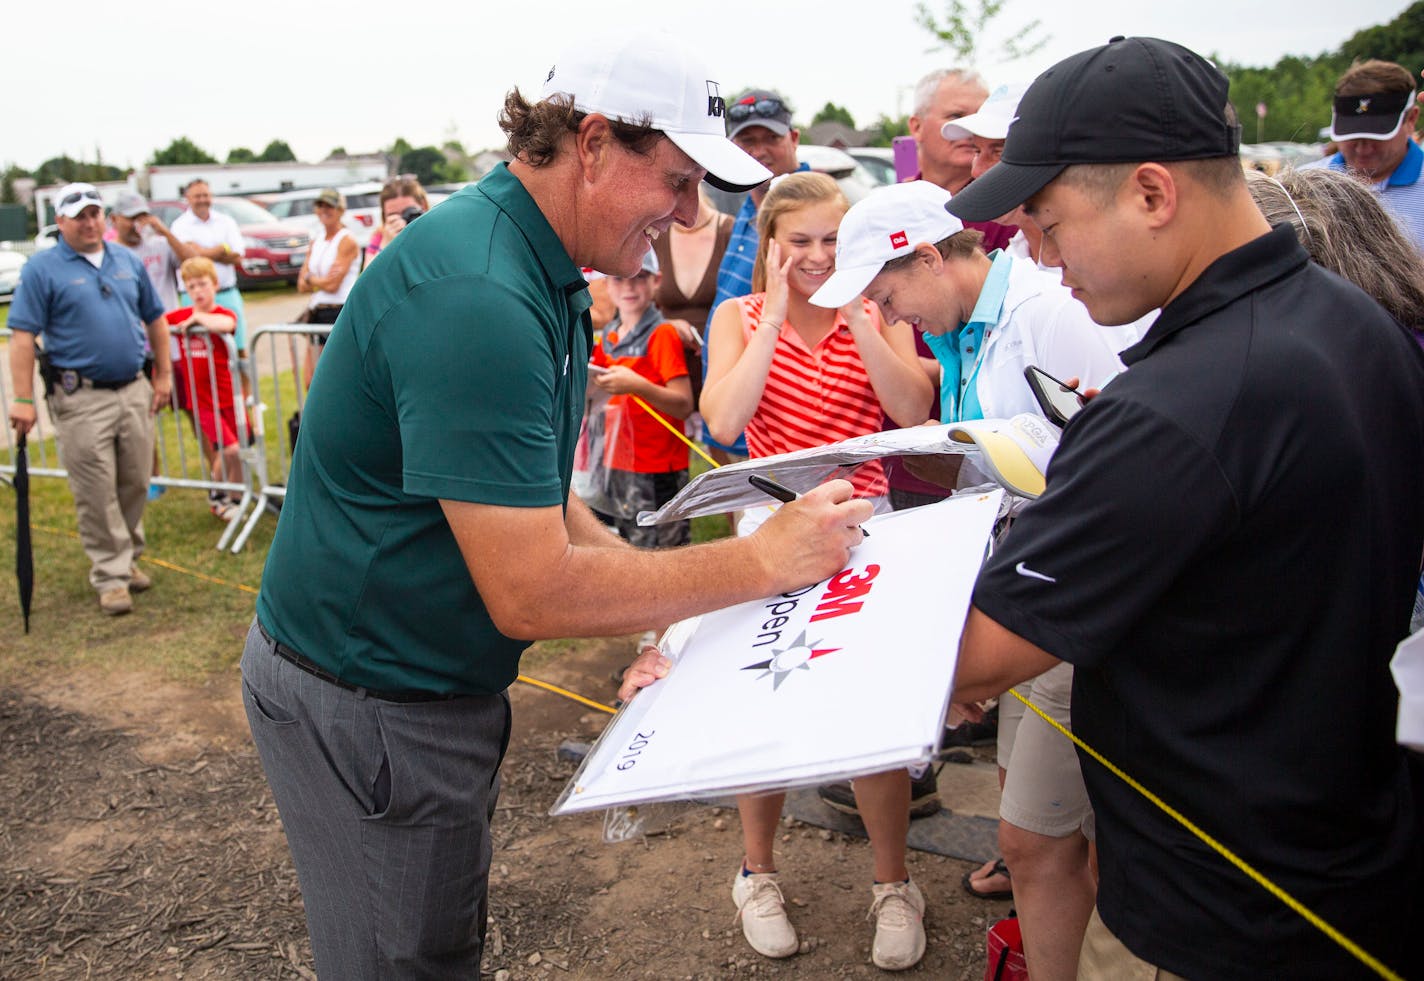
1227 551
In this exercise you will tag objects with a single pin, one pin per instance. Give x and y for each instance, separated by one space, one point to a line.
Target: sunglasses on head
78 196
765 108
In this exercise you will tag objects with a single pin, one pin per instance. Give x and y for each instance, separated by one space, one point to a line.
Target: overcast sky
127 79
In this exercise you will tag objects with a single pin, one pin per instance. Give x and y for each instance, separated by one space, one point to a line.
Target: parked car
852 178
363 210
273 250
10 265
878 162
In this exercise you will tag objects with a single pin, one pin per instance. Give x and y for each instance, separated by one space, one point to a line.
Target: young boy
202 378
641 355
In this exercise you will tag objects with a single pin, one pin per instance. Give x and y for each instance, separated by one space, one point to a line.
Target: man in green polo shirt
428 533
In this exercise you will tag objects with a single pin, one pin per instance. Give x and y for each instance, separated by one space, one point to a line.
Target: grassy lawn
192 623
189 625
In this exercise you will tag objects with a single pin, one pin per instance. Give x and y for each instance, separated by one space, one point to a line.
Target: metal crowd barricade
276 352
180 460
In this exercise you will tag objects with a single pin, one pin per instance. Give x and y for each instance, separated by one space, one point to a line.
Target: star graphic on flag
782 662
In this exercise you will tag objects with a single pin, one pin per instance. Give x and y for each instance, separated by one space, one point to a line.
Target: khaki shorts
1043 787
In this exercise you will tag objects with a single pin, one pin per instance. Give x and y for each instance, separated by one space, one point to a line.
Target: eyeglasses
78 196
765 108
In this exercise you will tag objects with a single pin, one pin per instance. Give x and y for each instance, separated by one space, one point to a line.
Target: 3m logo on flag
898 240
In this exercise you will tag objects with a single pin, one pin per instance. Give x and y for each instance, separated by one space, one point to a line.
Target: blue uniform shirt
960 354
92 319
1402 193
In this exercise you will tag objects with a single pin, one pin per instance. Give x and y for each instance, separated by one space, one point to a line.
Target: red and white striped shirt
815 396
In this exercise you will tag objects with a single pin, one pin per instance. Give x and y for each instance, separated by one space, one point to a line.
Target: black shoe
924 797
974 733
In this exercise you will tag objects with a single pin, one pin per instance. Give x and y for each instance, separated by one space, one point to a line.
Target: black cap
1371 116
1133 100
758 107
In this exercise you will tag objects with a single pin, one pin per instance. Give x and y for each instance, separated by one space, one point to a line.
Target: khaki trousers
106 446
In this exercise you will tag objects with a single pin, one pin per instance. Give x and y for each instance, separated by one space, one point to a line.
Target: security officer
91 301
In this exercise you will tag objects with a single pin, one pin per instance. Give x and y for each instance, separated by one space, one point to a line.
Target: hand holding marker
783 494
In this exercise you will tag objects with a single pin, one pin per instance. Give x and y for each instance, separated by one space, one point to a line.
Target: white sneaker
899 914
762 910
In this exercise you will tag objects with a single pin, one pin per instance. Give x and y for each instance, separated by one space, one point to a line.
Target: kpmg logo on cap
899 240
715 105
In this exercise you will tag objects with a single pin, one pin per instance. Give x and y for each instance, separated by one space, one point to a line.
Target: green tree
399 148
425 162
181 151
276 152
240 155
1297 91
337 152
960 29
63 169
883 131
833 113
7 187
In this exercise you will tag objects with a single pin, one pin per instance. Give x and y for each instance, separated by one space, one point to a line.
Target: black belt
317 671
108 386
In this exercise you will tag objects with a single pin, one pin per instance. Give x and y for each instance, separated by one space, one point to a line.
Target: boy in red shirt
202 378
641 354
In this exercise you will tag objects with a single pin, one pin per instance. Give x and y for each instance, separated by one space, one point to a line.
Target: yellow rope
1314 920
161 563
566 693
675 431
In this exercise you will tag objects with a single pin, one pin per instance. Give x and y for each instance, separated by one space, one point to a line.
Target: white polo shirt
219 229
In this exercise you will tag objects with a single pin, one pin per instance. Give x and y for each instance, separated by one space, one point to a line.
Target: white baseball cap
885 224
653 77
74 198
993 118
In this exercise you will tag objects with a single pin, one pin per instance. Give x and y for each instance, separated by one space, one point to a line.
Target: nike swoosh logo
1028 573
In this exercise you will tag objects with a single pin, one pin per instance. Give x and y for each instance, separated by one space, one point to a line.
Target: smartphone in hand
1058 402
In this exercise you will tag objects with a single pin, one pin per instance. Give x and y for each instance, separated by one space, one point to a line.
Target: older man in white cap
92 304
434 471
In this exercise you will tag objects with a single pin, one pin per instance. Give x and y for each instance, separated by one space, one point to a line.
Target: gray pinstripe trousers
386 809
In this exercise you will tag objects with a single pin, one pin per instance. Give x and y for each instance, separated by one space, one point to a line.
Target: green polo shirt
456 370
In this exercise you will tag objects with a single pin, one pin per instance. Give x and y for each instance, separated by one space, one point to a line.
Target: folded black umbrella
24 556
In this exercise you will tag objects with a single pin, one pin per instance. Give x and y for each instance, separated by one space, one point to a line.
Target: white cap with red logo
886 224
653 78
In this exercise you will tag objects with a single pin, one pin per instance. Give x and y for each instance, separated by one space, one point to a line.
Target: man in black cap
1227 544
1372 120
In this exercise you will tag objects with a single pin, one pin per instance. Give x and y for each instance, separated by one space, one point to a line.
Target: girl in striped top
793 376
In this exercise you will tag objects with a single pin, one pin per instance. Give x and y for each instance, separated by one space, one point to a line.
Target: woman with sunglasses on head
330 270
400 193
793 376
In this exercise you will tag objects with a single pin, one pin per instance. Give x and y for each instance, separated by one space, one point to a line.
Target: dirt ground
138 840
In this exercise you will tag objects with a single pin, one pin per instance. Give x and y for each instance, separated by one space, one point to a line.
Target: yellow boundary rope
675 431
1314 920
